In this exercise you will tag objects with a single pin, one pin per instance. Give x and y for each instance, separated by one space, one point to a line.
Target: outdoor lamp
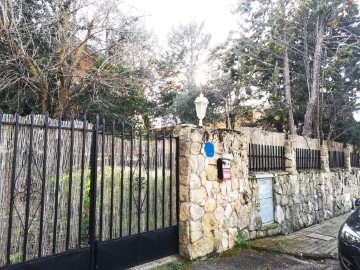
356 114
201 103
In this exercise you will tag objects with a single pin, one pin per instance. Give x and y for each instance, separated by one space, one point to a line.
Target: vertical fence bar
302 159
101 222
261 151
164 181
148 182
93 187
131 176
308 158
170 179
1 116
42 207
28 187
177 179
140 184
12 189
257 157
83 152
122 179
70 182
112 178
57 185
266 161
278 157
298 160
266 148
156 177
272 157
249 157
283 158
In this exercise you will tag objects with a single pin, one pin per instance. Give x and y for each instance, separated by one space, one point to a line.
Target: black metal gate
85 197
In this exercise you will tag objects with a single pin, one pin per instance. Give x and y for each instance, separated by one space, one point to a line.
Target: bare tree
50 52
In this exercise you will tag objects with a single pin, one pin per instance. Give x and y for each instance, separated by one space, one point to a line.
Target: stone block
205 246
196 212
209 187
252 234
233 220
185 251
195 148
279 214
193 164
198 196
184 195
202 164
284 200
225 241
184 233
221 200
184 180
261 234
203 178
184 211
184 166
209 223
233 235
196 231
210 205
195 181
195 136
212 173
219 213
228 211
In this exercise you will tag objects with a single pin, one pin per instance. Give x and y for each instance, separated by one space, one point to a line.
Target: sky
161 15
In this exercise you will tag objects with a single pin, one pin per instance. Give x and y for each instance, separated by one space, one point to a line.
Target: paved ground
312 248
249 259
315 242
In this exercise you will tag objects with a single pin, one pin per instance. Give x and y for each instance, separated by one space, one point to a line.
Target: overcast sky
161 15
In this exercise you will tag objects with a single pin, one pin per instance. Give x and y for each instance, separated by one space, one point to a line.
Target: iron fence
69 185
336 159
355 159
266 157
307 159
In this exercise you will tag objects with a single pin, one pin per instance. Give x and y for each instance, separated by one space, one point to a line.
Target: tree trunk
286 72
315 86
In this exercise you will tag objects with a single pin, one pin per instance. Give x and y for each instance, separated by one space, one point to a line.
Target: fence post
324 157
347 160
290 154
93 186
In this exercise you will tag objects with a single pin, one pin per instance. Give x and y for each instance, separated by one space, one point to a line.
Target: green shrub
241 240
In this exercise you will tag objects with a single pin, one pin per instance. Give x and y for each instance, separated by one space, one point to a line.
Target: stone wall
310 197
211 210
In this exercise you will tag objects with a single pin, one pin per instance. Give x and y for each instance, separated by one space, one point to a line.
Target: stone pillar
347 160
211 210
324 158
183 132
290 155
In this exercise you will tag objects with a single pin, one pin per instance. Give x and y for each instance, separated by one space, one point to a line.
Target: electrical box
224 169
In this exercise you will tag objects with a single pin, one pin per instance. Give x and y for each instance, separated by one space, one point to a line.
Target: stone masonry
211 210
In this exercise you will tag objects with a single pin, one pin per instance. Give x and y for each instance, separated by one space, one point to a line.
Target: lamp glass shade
201 104
356 115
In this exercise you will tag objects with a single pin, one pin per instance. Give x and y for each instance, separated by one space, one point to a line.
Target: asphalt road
249 259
